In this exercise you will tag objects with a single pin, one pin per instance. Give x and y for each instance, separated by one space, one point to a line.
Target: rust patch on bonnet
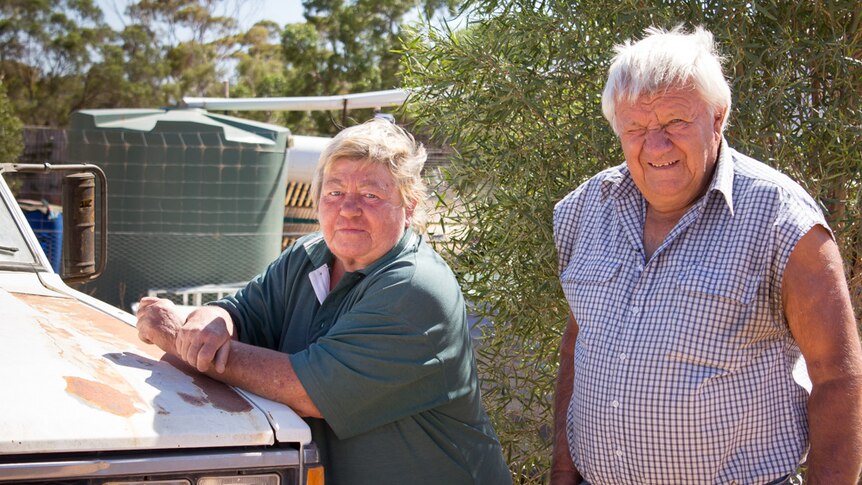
70 325
76 318
101 396
220 395
53 331
87 320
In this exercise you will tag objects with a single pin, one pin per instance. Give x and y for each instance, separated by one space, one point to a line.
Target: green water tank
193 197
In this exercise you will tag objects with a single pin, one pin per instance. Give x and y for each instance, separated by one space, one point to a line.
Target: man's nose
656 140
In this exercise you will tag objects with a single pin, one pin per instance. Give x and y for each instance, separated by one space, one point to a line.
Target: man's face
361 213
670 140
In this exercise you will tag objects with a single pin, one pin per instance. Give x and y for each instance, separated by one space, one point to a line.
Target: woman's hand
158 323
204 339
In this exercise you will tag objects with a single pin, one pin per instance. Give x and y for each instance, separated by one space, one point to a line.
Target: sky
280 11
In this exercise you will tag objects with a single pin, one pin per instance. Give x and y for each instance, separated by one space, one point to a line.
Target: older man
361 328
696 279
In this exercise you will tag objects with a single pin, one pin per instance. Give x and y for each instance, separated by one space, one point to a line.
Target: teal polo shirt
386 358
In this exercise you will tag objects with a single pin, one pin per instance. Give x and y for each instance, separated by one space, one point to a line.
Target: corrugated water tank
194 198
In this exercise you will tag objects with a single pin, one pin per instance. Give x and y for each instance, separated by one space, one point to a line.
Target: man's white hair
663 60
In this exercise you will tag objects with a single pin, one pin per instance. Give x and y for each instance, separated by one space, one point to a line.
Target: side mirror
79 228
79 209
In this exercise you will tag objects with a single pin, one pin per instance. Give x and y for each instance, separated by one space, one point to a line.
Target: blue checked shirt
683 363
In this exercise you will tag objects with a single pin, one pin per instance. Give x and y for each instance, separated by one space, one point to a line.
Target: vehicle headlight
266 479
151 482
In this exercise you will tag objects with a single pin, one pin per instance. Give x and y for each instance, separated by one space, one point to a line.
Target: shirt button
619 453
635 310
623 356
615 403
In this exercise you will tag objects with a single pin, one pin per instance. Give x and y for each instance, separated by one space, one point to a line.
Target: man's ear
718 121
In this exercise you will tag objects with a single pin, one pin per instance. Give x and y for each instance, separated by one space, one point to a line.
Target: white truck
84 402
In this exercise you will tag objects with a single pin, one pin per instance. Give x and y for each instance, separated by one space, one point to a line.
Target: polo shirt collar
408 241
317 250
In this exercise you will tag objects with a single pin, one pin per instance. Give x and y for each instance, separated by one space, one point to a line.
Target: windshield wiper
11 249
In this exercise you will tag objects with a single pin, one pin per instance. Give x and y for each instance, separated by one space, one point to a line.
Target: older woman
360 328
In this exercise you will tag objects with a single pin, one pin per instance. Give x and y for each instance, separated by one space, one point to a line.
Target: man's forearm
835 423
563 471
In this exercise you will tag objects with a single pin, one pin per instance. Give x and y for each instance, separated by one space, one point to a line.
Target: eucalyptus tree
260 68
46 49
347 47
194 36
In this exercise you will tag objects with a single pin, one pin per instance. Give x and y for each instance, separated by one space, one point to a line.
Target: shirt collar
319 253
722 179
619 183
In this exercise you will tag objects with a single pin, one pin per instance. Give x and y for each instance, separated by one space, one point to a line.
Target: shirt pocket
595 271
732 288
717 319
589 286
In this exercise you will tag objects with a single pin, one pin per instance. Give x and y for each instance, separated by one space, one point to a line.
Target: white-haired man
697 278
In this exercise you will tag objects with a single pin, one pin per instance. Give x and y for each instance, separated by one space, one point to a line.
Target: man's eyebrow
631 124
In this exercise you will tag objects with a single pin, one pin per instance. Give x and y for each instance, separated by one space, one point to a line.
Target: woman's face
361 212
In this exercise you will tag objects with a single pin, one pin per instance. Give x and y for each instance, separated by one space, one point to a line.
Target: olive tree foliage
516 93
796 71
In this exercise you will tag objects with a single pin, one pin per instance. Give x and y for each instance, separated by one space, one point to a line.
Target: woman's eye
371 196
334 193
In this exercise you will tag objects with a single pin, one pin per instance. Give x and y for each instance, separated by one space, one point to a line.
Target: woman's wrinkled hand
158 322
204 339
